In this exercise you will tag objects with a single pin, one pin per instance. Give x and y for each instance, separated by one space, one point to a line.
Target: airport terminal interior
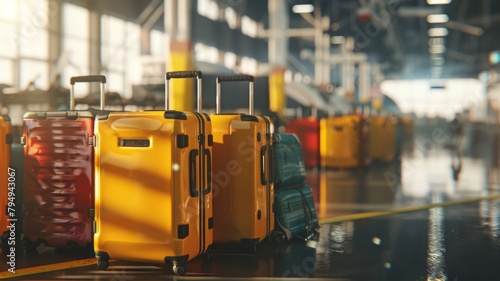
250 140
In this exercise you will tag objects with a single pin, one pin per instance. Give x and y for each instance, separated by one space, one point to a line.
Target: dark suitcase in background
59 174
294 207
288 161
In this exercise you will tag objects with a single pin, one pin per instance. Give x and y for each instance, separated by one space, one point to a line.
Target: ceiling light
436 71
494 57
364 14
438 2
437 32
437 18
437 49
436 41
437 60
303 8
484 76
338 40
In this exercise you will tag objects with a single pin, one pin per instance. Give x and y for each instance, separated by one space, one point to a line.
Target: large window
7 73
159 46
24 49
120 54
209 9
75 28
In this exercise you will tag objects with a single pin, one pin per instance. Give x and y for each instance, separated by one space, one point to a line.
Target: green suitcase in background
288 161
296 216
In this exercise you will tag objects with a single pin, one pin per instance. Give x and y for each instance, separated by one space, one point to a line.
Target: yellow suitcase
382 138
153 184
7 181
243 189
343 142
408 134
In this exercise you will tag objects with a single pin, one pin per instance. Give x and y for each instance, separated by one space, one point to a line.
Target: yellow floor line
46 268
86 262
405 209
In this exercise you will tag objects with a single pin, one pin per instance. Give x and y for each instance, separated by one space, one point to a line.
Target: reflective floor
432 214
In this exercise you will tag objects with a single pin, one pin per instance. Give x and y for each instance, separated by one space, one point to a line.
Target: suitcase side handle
235 78
208 158
193 154
184 74
263 179
87 79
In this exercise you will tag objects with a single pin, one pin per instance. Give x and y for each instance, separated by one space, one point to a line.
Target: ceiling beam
465 28
419 12
148 11
155 16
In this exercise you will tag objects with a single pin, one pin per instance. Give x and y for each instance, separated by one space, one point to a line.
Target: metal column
95 43
178 26
278 50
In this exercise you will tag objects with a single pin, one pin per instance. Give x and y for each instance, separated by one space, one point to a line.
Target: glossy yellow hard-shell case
153 186
243 189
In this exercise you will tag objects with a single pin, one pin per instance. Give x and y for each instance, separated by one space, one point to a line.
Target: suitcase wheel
312 244
179 269
102 264
278 237
30 247
249 245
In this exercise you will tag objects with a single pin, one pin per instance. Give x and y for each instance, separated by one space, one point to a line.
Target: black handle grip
209 172
87 79
183 74
235 78
271 164
192 173
263 179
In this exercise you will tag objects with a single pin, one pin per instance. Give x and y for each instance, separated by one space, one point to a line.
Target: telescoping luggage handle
194 153
184 74
235 78
88 79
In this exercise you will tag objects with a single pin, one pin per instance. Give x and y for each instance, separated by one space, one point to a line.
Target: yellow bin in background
383 138
343 142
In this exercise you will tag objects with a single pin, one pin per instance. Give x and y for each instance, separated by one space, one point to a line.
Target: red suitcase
307 130
59 174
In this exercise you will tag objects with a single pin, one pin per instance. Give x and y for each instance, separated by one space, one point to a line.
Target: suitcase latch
92 141
23 140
